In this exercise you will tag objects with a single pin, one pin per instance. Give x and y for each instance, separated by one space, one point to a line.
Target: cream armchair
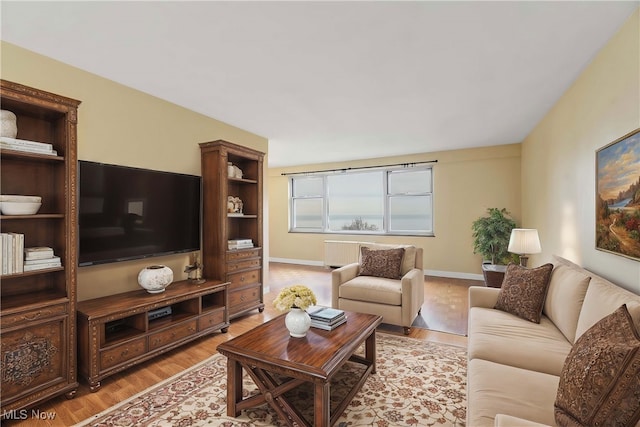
398 301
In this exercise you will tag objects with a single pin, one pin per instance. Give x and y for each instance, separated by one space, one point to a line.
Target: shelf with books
47 123
241 265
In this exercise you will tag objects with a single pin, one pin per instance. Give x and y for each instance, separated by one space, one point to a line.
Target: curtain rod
406 165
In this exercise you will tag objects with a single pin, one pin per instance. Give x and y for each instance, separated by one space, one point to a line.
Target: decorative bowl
155 278
19 208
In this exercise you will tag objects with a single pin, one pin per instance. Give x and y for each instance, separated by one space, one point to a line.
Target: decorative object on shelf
155 278
296 299
233 171
19 205
491 236
234 204
194 271
617 218
8 124
524 241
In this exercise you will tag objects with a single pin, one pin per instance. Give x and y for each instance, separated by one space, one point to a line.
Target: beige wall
120 125
558 157
466 183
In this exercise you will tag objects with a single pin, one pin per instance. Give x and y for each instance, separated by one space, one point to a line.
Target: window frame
325 202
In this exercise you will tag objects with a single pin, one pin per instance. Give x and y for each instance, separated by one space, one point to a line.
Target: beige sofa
514 365
397 301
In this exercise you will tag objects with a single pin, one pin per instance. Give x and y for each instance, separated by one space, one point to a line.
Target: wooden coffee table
268 350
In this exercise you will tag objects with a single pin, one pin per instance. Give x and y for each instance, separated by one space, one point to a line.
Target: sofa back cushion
567 288
603 298
408 260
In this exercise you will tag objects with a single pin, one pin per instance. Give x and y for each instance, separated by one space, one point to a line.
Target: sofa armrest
480 296
503 420
340 276
412 287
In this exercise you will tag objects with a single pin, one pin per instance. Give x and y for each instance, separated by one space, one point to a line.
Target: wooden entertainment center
118 331
240 266
37 319
40 317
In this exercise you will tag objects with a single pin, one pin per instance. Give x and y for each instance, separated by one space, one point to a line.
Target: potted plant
491 235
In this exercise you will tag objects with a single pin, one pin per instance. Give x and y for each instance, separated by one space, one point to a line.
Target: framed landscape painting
618 196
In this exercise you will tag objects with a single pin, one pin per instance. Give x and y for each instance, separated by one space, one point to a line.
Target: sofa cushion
603 298
567 288
524 290
507 339
600 381
372 289
408 260
495 389
385 263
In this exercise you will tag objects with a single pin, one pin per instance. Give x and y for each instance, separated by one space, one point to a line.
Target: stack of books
11 253
240 244
326 318
39 258
27 146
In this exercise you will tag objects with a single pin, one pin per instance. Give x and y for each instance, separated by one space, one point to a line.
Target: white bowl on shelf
19 205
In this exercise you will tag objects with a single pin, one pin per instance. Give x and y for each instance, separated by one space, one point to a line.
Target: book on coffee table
326 318
328 326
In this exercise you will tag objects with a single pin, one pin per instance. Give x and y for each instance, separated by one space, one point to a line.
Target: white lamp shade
524 241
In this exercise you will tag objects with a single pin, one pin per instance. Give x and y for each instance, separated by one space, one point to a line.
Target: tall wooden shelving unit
242 268
38 320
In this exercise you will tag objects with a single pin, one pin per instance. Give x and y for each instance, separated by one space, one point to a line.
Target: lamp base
523 260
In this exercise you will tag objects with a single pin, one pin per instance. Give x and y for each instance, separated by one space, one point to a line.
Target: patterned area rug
417 383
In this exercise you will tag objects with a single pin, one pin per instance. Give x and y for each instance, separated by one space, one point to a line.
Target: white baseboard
438 273
454 275
297 261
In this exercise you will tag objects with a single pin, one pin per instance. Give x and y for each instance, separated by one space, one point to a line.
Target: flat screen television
130 213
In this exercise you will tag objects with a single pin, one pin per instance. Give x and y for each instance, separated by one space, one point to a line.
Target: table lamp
524 241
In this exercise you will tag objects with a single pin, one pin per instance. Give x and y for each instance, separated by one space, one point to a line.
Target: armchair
397 300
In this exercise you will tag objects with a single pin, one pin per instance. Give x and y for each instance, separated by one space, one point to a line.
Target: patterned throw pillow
524 290
382 263
600 381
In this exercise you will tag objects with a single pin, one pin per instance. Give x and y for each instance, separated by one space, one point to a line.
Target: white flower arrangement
297 296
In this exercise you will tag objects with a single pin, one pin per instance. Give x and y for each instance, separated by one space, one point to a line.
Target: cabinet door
33 357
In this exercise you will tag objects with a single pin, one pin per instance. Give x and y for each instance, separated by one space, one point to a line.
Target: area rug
417 383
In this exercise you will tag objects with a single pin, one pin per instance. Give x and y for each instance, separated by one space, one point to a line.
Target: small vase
8 124
298 322
155 278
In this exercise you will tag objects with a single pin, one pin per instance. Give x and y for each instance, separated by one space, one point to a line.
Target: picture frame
618 196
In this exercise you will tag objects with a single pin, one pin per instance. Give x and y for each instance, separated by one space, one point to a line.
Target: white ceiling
327 81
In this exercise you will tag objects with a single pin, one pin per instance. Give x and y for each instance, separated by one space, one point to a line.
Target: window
380 201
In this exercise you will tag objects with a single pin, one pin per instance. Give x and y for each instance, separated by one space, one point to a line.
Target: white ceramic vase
8 124
298 322
155 278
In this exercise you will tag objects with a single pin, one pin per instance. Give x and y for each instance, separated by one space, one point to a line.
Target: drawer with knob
212 319
242 297
243 265
171 335
233 256
237 280
122 353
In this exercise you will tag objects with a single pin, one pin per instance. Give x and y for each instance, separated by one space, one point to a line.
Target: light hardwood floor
445 309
